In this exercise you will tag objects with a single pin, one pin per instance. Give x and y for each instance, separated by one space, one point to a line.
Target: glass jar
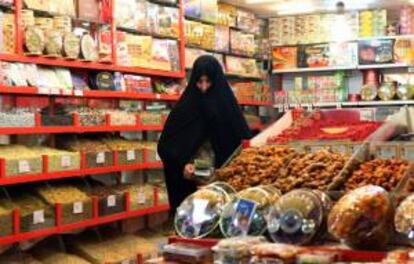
199 214
296 217
246 213
362 218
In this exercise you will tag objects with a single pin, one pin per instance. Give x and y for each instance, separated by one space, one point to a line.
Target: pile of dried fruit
385 173
256 166
313 170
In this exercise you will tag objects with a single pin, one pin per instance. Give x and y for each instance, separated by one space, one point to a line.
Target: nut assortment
255 166
404 216
312 170
385 173
17 118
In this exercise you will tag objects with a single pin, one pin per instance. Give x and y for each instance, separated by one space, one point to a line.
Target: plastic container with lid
404 218
246 213
386 91
199 214
368 92
362 218
297 217
235 250
404 92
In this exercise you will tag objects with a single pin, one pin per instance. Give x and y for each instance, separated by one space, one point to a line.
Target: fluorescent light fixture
260 1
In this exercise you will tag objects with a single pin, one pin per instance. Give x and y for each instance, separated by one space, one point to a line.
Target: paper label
158 96
100 158
130 155
78 93
199 214
66 161
78 208
38 217
111 201
245 211
24 166
142 199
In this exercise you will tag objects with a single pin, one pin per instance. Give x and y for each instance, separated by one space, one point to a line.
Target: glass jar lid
296 217
246 213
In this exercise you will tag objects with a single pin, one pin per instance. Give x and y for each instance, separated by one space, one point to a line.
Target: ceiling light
260 1
298 7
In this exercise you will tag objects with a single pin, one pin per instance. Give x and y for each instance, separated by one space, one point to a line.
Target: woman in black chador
206 117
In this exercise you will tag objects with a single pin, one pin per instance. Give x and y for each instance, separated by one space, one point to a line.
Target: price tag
158 96
43 90
55 91
141 198
24 166
38 217
338 105
130 155
66 161
111 201
280 108
78 93
100 158
66 92
78 208
157 157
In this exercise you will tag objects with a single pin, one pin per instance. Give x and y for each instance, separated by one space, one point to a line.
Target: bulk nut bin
35 214
150 118
76 205
404 218
59 160
246 213
98 154
129 152
17 118
141 196
362 218
111 199
297 217
235 250
199 214
151 149
20 160
6 217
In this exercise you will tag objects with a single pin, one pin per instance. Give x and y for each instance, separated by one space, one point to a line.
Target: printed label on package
78 208
111 201
100 158
66 161
38 217
24 166
245 211
130 155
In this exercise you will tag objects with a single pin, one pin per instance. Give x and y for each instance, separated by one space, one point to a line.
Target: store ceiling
270 8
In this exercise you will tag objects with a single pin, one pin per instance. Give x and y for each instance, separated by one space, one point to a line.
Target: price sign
78 208
130 155
38 217
141 198
66 161
100 158
24 166
111 201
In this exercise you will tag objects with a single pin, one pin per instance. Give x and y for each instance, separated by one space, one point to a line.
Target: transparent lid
360 213
199 214
246 213
404 91
296 217
404 218
368 92
386 92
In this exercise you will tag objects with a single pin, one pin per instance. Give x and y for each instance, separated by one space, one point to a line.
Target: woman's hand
189 171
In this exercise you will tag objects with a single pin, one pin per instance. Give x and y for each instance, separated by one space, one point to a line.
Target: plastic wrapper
199 214
404 218
246 213
76 205
298 217
187 253
274 253
235 250
362 218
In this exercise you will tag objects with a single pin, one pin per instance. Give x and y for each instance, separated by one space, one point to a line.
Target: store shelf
349 104
227 53
96 220
321 69
160 2
383 66
61 62
137 32
82 172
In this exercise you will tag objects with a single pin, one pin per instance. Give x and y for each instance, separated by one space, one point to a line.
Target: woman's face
203 84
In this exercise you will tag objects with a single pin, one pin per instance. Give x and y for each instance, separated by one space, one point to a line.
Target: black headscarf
197 117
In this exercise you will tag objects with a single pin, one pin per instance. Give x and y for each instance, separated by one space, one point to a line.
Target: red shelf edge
83 224
77 173
89 65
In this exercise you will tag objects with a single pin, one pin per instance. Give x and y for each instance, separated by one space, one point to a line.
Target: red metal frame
60 228
82 172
